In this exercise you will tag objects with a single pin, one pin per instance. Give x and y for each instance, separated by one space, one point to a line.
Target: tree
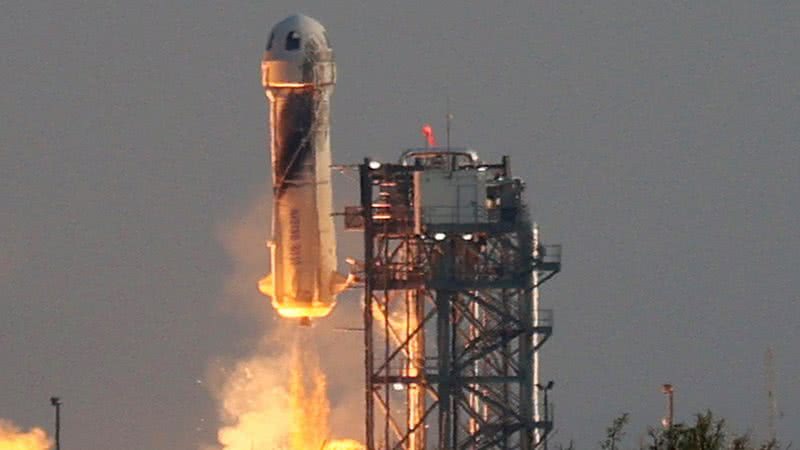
615 433
706 433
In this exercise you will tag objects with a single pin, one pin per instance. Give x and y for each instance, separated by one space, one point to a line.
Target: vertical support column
526 343
537 415
366 210
415 368
473 400
444 336
443 344
56 402
456 383
506 372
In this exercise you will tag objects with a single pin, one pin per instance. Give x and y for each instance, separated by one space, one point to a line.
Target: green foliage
615 433
743 443
706 433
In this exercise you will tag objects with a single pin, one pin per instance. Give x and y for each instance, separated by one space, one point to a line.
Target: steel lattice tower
450 271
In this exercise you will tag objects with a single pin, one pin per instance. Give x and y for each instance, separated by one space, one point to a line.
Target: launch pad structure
452 326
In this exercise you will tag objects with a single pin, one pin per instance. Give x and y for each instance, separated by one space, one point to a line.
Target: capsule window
293 40
270 41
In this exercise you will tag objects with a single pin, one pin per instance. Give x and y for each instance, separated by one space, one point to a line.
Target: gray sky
659 142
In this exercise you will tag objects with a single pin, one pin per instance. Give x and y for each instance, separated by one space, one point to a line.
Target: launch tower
452 327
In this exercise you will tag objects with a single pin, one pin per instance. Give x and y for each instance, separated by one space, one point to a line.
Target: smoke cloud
13 438
253 402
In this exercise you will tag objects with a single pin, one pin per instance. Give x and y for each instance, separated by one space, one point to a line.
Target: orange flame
344 444
308 403
12 438
271 412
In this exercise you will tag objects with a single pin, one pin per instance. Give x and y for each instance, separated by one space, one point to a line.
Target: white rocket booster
298 75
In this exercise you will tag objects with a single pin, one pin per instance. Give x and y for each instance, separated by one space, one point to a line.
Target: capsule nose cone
295 34
301 21
298 54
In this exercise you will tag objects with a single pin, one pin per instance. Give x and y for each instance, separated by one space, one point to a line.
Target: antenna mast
449 119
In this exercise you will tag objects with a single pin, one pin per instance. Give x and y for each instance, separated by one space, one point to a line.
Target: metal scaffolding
450 273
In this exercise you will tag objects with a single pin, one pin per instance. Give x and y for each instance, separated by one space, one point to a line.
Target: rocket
298 75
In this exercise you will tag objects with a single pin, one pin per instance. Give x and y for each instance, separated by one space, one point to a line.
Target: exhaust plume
12 438
279 402
276 398
308 402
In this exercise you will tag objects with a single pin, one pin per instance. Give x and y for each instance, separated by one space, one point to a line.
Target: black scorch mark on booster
294 151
